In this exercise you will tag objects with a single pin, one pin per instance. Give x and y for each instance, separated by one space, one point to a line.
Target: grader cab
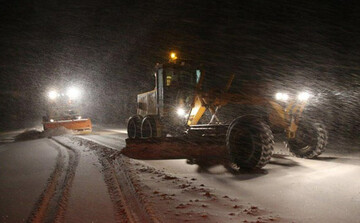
173 113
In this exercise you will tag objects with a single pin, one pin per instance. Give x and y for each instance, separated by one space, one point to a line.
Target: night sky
109 48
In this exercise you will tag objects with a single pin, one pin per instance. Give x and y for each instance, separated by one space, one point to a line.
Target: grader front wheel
249 142
310 141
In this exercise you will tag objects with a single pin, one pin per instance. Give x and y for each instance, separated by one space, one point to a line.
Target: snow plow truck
63 111
179 112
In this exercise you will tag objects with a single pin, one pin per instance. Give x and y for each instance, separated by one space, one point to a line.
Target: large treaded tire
151 127
134 127
147 127
249 142
316 140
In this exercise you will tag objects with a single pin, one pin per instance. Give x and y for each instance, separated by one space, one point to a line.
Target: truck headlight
53 95
281 96
73 93
303 96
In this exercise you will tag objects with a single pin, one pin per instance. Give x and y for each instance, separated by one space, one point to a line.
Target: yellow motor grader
180 112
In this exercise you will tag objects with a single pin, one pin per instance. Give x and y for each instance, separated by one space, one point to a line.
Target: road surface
84 179
322 190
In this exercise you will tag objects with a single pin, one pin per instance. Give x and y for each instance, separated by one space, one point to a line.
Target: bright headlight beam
180 112
73 93
281 96
52 95
303 96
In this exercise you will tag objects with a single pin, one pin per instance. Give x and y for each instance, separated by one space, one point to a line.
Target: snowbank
56 132
36 134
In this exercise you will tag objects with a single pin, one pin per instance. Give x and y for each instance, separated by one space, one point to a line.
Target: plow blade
173 148
77 125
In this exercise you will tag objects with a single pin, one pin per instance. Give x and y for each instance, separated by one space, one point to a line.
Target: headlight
180 112
53 95
281 96
73 93
303 96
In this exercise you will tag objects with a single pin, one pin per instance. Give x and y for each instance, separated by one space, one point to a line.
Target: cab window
183 78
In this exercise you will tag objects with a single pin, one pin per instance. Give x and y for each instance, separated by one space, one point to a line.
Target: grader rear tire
134 127
151 127
249 142
310 141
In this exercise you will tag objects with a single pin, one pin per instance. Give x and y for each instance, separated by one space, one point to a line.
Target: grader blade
173 148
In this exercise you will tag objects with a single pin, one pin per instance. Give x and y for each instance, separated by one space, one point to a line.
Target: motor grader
179 109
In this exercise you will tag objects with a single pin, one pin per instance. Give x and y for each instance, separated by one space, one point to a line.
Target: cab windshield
180 77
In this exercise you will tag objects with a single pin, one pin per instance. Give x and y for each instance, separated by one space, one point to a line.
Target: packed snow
87 170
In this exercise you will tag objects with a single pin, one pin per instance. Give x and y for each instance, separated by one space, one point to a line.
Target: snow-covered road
84 179
322 190
24 170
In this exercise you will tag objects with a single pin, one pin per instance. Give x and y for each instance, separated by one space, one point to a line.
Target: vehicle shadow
342 160
205 166
282 160
327 158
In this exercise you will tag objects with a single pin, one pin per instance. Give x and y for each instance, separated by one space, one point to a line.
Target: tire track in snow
69 178
52 203
128 205
100 142
116 196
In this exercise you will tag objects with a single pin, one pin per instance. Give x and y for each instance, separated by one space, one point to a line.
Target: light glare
53 95
304 96
73 93
282 96
180 112
173 56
